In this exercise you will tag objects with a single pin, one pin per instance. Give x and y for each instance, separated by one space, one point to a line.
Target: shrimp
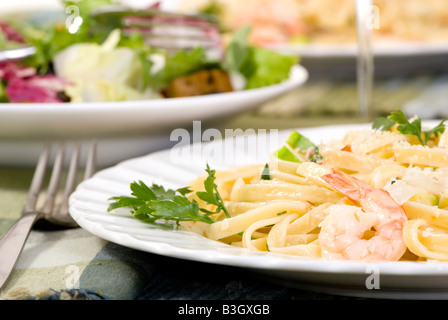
341 235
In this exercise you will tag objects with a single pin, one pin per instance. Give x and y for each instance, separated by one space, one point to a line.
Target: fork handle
12 243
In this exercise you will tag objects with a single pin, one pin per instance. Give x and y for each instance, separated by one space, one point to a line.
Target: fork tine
71 179
38 177
54 180
63 213
91 160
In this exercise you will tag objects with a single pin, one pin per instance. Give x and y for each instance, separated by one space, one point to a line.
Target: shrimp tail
342 233
346 184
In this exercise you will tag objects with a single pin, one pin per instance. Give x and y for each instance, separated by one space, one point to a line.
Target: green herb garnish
211 194
266 174
405 127
300 144
286 155
383 124
166 208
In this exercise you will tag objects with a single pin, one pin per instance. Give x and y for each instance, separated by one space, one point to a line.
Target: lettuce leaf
261 67
3 97
179 64
51 38
105 72
267 68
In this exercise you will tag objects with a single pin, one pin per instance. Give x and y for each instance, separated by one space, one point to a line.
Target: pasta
290 211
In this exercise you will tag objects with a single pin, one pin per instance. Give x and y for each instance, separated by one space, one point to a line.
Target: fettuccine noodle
289 212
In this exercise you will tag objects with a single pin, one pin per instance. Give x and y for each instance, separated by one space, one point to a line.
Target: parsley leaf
166 207
382 124
211 194
406 127
439 129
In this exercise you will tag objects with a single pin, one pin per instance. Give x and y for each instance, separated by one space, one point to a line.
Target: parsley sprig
405 127
211 194
166 207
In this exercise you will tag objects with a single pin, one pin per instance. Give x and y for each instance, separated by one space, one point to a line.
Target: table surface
67 264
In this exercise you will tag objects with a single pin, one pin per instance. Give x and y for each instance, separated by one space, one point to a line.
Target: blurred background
409 50
410 56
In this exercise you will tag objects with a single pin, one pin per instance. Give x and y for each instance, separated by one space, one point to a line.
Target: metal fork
13 241
165 30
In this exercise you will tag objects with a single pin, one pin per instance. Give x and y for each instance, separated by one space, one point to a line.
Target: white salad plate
133 127
46 120
88 206
379 49
391 59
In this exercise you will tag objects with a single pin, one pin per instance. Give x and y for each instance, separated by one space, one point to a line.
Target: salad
113 65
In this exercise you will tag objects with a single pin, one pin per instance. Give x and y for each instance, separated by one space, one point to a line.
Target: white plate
380 49
25 120
135 127
89 203
392 59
